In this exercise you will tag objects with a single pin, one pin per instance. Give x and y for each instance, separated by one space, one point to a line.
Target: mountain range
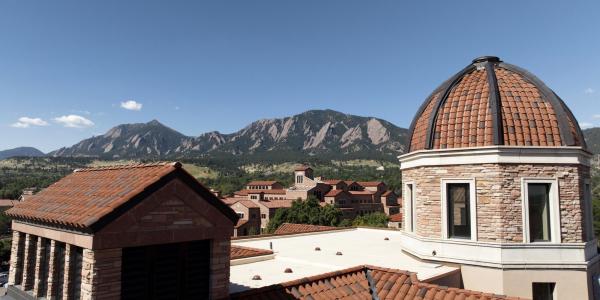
325 134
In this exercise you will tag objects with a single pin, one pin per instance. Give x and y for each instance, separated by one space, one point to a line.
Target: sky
73 69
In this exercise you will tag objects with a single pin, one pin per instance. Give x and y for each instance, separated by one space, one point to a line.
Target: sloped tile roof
362 282
8 202
334 193
276 203
248 203
240 222
262 182
272 192
289 228
302 168
84 197
238 252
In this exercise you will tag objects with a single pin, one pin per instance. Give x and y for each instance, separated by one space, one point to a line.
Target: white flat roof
360 246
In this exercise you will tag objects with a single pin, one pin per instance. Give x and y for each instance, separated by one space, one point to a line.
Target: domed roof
490 103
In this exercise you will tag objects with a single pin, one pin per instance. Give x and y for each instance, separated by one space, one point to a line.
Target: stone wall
498 188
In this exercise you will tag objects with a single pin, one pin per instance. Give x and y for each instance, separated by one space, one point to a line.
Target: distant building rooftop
289 228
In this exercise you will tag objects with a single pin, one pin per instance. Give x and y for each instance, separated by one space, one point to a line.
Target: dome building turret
497 178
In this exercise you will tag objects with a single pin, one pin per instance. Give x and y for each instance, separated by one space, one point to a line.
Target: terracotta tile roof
334 193
349 182
396 217
359 283
8 202
248 203
289 228
262 182
277 203
232 200
366 192
272 192
238 252
530 114
302 168
369 183
87 196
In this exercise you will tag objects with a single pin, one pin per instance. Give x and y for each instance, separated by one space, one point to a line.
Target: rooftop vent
256 277
338 253
317 248
386 239
287 270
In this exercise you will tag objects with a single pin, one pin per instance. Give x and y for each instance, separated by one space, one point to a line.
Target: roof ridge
129 166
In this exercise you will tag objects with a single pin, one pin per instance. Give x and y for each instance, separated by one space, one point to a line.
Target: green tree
372 220
307 211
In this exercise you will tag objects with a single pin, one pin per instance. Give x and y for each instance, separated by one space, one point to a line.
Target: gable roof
362 282
88 199
333 181
334 193
247 203
389 192
290 228
8 202
302 168
276 203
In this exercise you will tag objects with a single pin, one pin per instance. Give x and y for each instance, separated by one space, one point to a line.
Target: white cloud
74 121
25 122
131 105
589 91
585 125
596 116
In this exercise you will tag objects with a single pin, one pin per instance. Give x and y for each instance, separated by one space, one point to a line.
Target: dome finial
486 58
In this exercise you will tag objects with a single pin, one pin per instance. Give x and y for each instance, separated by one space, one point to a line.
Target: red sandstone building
352 198
125 232
497 179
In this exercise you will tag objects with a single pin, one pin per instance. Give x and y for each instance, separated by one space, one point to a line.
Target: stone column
101 275
41 279
15 275
29 262
52 271
67 277
219 267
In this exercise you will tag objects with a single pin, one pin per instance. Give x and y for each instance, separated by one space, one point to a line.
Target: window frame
472 207
553 199
410 210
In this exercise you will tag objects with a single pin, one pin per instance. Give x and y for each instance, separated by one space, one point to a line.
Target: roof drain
372 286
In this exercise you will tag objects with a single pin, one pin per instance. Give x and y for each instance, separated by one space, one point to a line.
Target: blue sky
67 66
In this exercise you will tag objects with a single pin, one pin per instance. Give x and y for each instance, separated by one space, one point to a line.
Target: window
459 209
263 216
240 214
253 197
543 290
540 211
299 178
410 218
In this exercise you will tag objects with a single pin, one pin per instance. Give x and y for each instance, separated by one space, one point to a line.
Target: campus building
497 179
146 231
352 198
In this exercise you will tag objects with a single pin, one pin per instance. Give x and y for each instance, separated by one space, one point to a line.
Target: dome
492 103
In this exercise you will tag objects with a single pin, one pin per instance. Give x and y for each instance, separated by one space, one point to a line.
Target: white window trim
472 206
410 218
555 236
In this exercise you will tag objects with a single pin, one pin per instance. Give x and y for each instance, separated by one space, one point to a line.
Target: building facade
497 179
123 232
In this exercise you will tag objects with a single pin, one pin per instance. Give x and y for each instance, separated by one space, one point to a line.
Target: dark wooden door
168 271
